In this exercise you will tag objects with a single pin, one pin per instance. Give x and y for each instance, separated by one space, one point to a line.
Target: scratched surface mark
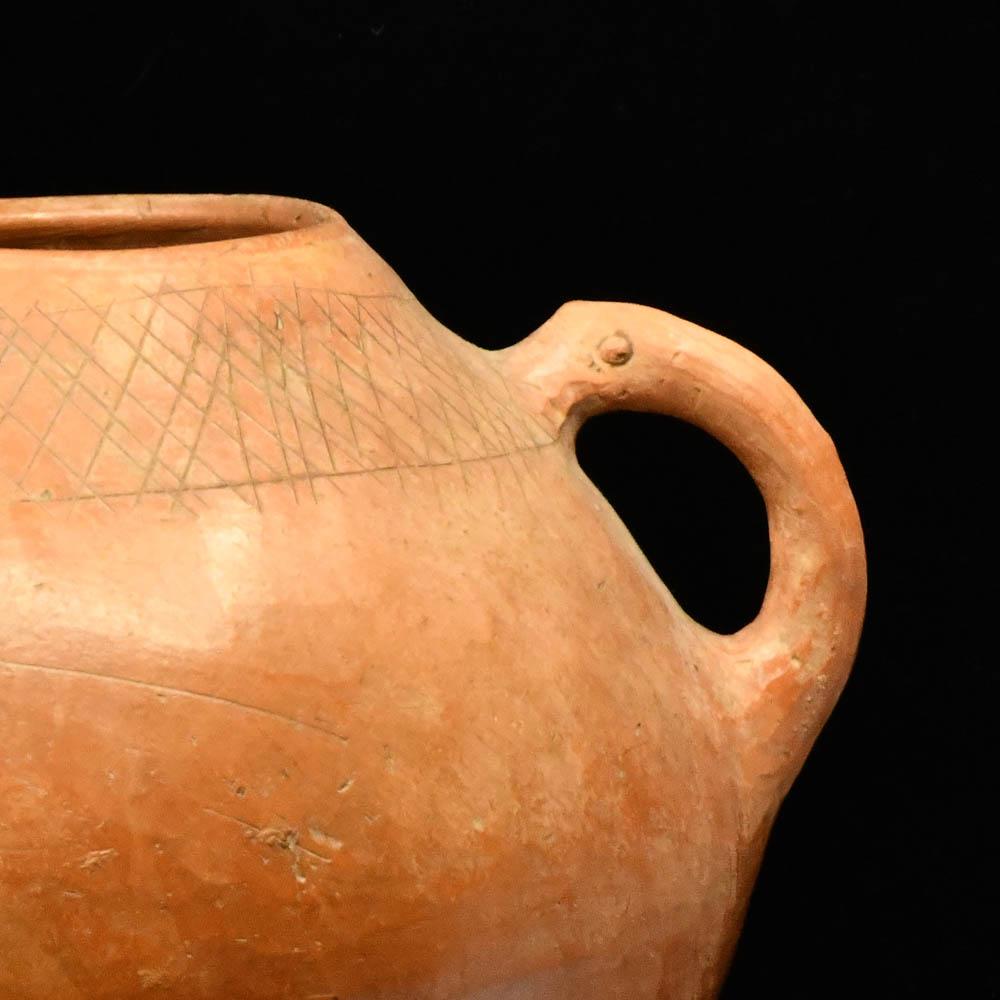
170 392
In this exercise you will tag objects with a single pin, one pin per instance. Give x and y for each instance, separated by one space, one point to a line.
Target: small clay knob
616 349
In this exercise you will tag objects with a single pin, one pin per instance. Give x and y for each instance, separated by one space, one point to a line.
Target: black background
813 180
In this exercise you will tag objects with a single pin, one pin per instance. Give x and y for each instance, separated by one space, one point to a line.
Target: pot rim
124 227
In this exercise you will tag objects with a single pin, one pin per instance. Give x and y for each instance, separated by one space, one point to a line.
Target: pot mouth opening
141 222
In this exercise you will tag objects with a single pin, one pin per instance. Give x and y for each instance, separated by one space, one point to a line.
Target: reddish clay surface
324 670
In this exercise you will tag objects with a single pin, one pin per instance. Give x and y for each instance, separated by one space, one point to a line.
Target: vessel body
324 670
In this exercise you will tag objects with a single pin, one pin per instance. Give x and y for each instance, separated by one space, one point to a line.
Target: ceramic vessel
324 670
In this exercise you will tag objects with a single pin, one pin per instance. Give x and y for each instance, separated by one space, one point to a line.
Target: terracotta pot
325 672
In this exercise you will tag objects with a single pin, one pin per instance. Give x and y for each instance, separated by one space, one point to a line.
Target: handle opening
695 512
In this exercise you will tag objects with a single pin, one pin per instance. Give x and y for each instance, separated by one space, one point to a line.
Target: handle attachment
785 670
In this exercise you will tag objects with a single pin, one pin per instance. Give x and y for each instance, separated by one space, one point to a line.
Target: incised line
165 689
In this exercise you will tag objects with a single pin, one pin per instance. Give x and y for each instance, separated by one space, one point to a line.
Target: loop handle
780 676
